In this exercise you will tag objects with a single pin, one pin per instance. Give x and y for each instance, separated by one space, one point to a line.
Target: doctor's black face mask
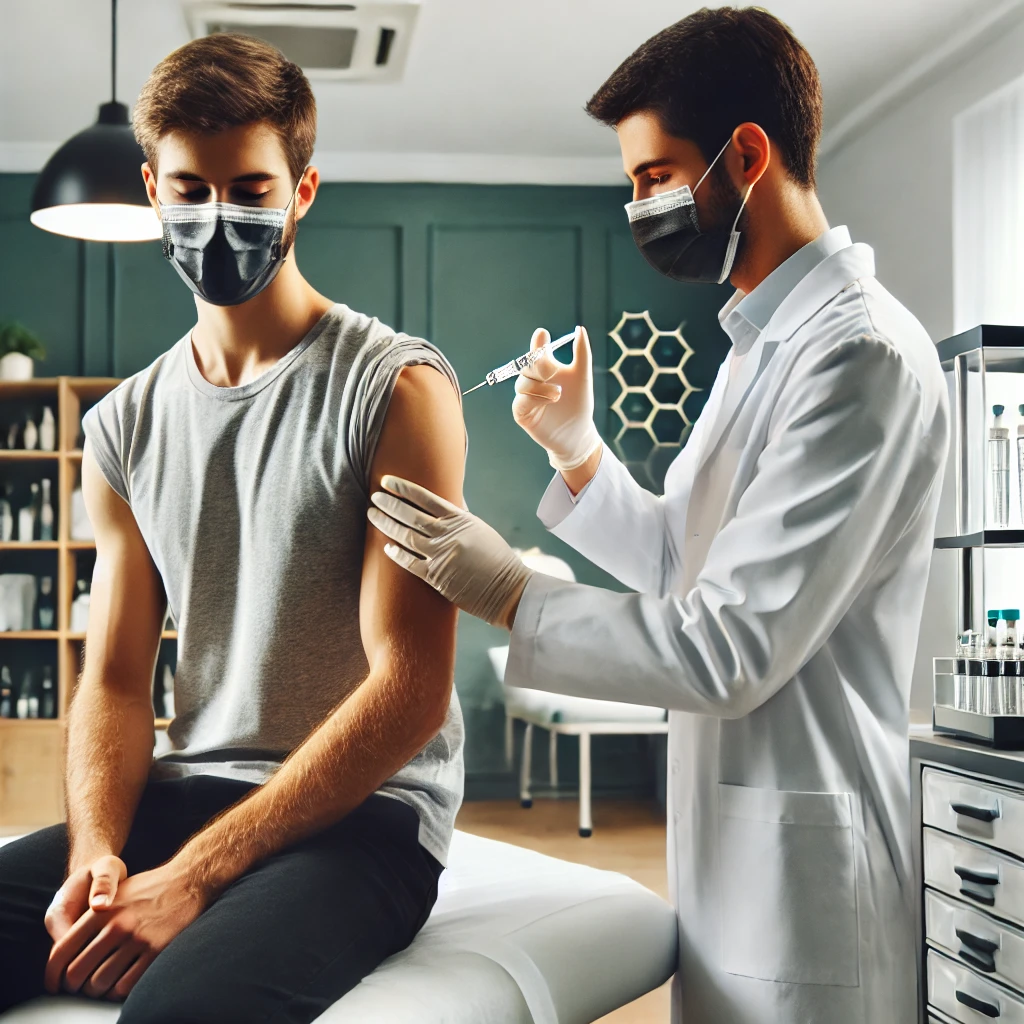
668 234
224 252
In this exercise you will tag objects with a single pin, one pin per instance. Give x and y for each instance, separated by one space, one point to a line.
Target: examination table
515 937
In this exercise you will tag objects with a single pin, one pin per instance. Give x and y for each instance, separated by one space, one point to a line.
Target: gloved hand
459 555
554 403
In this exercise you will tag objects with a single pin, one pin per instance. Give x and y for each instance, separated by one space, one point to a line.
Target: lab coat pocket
788 886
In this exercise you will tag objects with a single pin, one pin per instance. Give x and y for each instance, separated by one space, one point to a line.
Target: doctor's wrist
576 479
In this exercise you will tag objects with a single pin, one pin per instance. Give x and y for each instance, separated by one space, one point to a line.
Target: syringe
516 366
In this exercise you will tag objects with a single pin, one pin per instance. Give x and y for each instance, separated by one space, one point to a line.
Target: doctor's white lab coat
780 584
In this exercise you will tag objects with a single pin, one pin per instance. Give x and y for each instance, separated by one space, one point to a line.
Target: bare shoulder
424 436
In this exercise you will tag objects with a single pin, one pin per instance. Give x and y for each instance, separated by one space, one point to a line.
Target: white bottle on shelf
80 609
6 515
48 431
31 434
27 517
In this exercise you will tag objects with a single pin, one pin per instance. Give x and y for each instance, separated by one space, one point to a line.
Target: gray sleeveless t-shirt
252 501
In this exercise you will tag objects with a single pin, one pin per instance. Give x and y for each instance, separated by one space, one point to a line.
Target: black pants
281 944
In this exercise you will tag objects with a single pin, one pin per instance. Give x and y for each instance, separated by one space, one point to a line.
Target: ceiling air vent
356 41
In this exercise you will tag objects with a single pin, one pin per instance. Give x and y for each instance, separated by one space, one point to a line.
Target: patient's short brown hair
225 81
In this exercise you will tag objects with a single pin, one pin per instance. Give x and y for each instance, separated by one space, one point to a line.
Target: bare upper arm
423 439
127 602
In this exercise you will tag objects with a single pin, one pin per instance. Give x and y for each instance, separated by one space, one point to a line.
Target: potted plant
18 347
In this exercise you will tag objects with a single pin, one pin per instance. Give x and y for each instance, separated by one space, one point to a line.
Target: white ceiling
493 90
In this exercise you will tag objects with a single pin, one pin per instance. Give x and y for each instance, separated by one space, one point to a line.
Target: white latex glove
459 555
554 403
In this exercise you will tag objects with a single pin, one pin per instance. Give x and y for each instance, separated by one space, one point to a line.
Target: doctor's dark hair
225 81
716 69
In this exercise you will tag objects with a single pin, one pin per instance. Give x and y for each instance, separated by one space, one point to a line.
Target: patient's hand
93 885
106 952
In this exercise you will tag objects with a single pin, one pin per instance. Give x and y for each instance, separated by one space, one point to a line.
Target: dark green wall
473 268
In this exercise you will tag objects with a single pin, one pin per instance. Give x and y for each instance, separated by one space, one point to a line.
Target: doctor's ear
751 144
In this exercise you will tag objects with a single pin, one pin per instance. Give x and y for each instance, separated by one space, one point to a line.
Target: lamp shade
92 186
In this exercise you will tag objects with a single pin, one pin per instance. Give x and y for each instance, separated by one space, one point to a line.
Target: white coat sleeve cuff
558 501
520 669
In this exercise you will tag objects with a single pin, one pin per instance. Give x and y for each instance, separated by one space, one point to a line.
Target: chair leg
524 779
510 734
553 758
586 823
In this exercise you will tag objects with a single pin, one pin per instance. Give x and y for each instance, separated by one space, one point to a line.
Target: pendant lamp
92 187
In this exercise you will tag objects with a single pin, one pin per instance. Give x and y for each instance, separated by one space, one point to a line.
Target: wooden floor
628 837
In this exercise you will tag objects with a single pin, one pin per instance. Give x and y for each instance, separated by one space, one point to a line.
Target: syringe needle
477 388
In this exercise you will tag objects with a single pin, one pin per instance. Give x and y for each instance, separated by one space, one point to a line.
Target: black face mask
667 233
224 252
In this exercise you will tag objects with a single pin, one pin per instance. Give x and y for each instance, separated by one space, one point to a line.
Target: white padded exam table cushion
544 708
515 938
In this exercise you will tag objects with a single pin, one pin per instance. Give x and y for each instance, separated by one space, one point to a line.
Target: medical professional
779 581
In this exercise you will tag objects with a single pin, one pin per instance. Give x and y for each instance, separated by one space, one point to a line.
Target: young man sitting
292 837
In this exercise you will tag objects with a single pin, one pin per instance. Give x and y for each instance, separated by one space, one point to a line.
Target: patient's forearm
110 750
368 738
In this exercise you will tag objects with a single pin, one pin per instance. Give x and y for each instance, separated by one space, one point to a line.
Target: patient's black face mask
224 252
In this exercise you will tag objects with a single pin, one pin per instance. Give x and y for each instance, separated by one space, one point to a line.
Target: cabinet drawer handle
988 1009
980 961
976 941
978 813
978 877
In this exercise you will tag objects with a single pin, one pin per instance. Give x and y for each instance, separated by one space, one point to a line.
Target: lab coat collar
745 316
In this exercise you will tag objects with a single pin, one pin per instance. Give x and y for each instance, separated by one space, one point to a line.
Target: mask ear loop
295 192
710 165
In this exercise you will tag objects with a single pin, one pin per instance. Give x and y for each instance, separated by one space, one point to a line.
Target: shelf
80 545
167 634
29 545
21 455
162 723
984 539
31 723
29 634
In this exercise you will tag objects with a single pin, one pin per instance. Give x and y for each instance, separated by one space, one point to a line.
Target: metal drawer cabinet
989 946
975 874
973 809
967 997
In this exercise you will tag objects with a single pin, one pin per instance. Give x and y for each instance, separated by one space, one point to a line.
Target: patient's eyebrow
255 176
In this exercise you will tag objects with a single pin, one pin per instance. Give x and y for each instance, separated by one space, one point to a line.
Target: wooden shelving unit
32 750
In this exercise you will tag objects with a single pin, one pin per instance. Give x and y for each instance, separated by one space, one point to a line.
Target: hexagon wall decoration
648 424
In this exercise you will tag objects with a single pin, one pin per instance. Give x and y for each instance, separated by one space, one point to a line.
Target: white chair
567 716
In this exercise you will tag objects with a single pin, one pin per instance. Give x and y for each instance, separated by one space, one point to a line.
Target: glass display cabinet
978 688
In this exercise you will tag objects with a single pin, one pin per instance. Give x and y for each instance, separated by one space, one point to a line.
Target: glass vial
999 469
6 694
48 700
46 517
46 604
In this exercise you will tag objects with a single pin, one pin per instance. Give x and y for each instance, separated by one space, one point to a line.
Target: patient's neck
235 344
